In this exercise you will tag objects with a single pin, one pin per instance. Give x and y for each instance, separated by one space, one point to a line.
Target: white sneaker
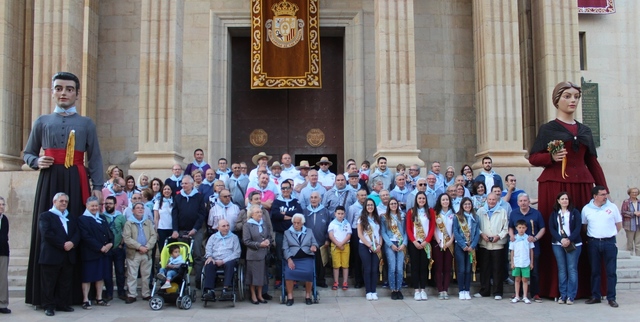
166 285
461 295
467 296
423 295
477 295
416 296
526 301
446 295
497 297
369 297
515 300
374 296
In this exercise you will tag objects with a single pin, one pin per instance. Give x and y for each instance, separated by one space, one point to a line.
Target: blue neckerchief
142 238
490 211
446 213
312 188
593 205
298 233
191 194
254 222
341 224
312 210
430 191
176 179
69 111
113 193
523 237
397 189
205 181
130 194
364 171
221 173
63 216
281 198
422 212
167 200
469 217
384 174
113 216
219 203
450 182
95 217
199 165
143 187
224 238
338 192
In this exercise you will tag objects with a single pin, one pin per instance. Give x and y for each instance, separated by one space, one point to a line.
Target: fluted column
498 84
160 117
556 54
396 137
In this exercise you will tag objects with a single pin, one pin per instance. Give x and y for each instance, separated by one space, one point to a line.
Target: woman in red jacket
577 177
420 226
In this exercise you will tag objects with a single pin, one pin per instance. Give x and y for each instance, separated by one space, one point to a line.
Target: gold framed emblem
315 137
258 137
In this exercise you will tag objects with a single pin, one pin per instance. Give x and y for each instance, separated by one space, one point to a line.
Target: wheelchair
180 291
238 288
305 270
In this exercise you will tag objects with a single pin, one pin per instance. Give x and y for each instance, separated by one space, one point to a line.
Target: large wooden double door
306 123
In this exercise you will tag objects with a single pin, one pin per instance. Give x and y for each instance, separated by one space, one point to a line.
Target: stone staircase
628 278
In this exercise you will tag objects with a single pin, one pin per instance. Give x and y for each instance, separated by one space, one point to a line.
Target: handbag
572 246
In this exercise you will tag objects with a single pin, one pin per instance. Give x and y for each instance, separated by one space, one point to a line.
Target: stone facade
424 80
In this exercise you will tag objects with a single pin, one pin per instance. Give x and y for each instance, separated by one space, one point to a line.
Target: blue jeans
116 263
567 271
603 250
370 264
463 267
395 264
168 272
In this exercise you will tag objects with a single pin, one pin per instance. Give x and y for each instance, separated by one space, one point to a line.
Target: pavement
347 309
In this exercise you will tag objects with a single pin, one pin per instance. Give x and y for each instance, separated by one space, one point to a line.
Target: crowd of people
370 222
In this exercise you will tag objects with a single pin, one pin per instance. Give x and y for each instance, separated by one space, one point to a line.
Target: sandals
86 305
335 286
102 302
345 286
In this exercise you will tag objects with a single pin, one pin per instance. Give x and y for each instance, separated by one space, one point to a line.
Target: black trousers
419 266
491 264
355 262
55 283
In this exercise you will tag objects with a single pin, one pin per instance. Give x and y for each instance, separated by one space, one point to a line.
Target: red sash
58 156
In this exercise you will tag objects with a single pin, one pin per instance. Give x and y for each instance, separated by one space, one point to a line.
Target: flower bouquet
554 147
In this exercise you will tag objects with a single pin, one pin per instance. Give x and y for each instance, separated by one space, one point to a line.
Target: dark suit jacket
53 237
93 236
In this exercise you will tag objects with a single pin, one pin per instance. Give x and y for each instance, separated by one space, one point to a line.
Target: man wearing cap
354 181
276 176
326 177
300 181
259 159
289 170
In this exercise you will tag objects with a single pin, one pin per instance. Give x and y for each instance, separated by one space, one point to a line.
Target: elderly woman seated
299 247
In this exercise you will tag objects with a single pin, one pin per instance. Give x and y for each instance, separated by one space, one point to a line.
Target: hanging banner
285 44
596 6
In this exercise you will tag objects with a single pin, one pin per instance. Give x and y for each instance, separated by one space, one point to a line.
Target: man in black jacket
59 237
188 216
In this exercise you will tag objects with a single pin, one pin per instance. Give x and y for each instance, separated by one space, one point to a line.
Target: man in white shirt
289 171
326 177
602 221
260 159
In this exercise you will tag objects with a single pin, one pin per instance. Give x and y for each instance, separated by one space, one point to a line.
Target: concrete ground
347 309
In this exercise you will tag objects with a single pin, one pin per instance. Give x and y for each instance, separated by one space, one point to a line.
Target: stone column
498 84
159 130
556 54
396 137
12 18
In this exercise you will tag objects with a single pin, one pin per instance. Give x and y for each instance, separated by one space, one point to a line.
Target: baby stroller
180 291
305 270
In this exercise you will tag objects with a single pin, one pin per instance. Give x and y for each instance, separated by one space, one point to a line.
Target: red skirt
580 194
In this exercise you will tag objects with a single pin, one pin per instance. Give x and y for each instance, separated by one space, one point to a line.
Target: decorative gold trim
607 9
315 137
258 137
311 78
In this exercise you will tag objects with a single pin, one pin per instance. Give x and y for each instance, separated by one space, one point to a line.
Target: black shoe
130 300
263 301
146 298
613 303
49 312
400 296
394 295
255 302
357 285
308 301
592 300
65 309
267 297
123 297
209 296
108 298
289 302
5 310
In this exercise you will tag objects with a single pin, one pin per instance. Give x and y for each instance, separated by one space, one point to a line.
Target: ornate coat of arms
281 30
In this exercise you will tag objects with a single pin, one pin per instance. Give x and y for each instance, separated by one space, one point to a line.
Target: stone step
628 284
18 281
624 254
633 262
628 273
17 270
18 260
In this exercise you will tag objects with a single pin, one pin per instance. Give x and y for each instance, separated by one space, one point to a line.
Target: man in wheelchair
222 251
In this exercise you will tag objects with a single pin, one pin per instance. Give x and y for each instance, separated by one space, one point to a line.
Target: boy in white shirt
521 260
340 235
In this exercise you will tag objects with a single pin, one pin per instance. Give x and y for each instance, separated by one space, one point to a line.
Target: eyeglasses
176 169
413 169
286 188
225 196
422 184
117 185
